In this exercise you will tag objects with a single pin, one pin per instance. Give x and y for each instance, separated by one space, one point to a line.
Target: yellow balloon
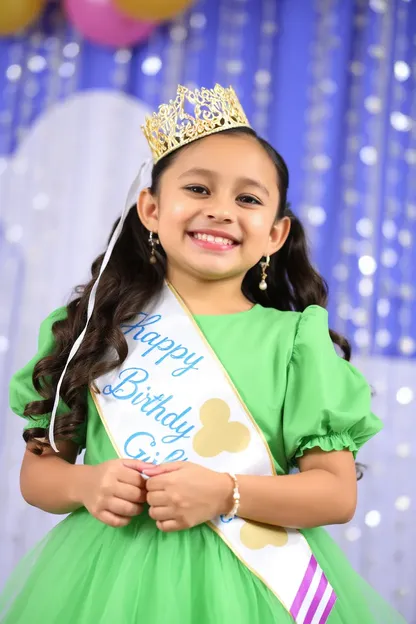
152 10
17 14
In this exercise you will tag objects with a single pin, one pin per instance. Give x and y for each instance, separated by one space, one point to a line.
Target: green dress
302 395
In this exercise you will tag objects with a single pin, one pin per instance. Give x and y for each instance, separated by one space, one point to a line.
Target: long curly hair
127 285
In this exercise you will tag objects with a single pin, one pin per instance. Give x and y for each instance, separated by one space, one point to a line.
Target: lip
213 246
216 233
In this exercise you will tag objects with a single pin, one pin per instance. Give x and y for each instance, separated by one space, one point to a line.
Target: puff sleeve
22 391
327 402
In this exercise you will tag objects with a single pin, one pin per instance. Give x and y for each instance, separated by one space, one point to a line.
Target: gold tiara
190 116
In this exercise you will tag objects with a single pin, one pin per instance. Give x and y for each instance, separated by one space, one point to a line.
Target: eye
197 189
249 199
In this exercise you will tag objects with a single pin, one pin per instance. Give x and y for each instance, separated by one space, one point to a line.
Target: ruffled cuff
329 442
37 423
43 423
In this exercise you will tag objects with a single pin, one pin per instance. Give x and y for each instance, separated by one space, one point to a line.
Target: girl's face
215 212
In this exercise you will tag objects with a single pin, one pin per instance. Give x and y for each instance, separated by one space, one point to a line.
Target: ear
148 210
278 235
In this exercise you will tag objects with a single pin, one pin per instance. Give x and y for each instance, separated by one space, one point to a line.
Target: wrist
77 485
226 498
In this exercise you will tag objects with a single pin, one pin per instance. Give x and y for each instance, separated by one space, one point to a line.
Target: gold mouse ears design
255 535
192 115
218 434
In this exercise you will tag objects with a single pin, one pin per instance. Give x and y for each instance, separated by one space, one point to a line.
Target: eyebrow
212 174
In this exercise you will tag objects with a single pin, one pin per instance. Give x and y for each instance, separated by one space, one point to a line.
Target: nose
220 215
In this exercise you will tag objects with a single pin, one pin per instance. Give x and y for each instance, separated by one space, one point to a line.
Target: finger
130 493
111 519
157 499
162 513
123 508
154 484
131 477
136 464
153 471
168 526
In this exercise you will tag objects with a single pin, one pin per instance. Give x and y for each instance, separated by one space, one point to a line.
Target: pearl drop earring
264 266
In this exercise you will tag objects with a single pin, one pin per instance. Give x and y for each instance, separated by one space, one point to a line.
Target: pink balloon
100 22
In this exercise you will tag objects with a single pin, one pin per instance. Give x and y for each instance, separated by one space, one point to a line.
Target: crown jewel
190 116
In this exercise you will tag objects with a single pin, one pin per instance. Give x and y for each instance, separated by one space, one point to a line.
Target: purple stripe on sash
328 608
316 599
303 589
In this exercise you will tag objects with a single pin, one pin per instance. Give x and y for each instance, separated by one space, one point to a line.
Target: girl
197 368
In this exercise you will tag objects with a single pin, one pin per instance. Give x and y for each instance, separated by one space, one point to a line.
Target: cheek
259 224
175 209
173 218
178 210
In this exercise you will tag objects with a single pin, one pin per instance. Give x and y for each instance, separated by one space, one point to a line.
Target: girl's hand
114 491
182 495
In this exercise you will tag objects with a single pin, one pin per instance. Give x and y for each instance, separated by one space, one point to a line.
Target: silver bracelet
236 498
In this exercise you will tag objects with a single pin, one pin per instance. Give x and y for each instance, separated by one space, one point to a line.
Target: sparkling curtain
331 83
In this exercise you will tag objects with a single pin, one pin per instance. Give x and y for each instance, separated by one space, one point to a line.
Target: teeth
213 239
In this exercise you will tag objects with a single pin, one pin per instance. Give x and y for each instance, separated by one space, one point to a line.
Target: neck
210 296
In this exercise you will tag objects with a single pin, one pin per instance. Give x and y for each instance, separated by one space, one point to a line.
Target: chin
211 268
211 275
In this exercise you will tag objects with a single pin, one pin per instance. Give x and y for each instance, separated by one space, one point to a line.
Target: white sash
173 401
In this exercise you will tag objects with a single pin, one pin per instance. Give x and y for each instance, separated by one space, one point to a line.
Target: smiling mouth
212 241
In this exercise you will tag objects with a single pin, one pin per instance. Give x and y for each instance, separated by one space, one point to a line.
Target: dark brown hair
130 281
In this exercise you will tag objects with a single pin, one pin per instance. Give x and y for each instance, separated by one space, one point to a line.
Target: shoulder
57 315
45 331
312 328
273 316
297 333
301 324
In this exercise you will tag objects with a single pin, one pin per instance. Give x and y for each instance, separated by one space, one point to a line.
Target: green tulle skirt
84 572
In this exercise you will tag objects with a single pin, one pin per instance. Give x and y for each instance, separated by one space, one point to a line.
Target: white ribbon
141 181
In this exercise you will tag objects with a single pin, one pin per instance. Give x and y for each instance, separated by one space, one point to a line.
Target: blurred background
331 83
